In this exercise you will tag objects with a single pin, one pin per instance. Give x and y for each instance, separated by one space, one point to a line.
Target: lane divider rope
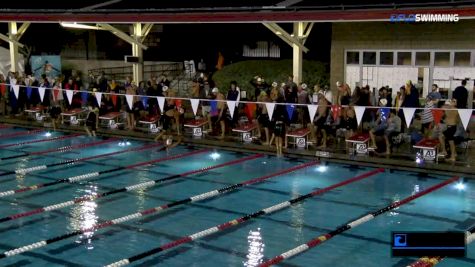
142 213
86 176
70 161
5 126
60 149
433 261
16 134
129 188
232 223
363 219
42 140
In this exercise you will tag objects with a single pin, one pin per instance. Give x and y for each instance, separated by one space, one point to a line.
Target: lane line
155 210
129 188
41 140
240 220
363 219
89 175
16 134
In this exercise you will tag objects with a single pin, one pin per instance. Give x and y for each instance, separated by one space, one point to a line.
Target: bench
35 113
299 137
111 120
148 124
429 148
197 126
359 142
73 116
246 131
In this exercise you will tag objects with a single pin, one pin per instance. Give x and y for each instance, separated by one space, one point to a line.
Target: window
404 58
422 58
442 59
352 58
461 59
386 58
369 58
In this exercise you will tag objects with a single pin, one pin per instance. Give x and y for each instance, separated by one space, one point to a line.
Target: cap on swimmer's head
304 86
165 88
383 102
274 84
259 79
215 90
338 84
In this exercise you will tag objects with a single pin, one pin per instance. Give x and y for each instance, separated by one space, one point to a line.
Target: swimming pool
37 208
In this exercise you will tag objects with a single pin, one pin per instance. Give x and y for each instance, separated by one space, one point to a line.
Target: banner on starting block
429 154
197 132
361 148
246 137
301 142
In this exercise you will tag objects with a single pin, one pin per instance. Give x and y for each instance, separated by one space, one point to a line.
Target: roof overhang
228 17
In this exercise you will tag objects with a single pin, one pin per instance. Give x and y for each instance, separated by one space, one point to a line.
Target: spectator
263 116
434 94
411 97
233 95
141 90
394 129
461 95
274 92
344 94
427 118
259 85
381 124
102 82
302 98
163 81
384 94
349 123
219 116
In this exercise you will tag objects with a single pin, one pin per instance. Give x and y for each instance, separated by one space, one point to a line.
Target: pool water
242 245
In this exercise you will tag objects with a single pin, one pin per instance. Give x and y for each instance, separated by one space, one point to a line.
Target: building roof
175 11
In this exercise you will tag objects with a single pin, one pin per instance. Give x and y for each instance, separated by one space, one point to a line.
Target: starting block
360 143
196 126
111 120
300 137
429 148
149 124
74 116
36 113
246 131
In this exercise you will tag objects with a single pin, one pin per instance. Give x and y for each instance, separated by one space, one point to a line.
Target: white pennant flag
161 103
98 98
41 90
359 111
16 90
465 115
194 105
312 110
69 95
232 107
270 109
130 100
408 113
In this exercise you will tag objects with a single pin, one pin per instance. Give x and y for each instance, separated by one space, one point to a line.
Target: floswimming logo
418 18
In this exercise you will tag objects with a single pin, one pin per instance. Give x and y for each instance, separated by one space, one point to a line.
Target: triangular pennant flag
408 113
214 108
144 101
16 90
270 109
290 110
336 111
312 110
161 103
465 115
28 92
178 103
359 111
55 93
437 114
69 95
84 96
130 100
232 107
114 99
250 110
41 90
3 89
98 98
194 105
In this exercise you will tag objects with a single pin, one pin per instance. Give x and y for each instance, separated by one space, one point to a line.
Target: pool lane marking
5 126
89 175
60 149
158 209
41 140
363 219
432 261
16 134
73 161
129 188
232 223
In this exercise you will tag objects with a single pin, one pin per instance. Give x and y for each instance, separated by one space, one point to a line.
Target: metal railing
171 70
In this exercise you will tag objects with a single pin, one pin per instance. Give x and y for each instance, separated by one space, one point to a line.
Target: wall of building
392 36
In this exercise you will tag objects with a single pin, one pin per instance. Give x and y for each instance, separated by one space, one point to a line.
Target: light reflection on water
255 252
83 216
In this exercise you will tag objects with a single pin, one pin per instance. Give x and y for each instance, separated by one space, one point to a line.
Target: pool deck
399 160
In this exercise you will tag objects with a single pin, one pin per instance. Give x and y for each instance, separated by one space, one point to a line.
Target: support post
297 52
14 57
137 68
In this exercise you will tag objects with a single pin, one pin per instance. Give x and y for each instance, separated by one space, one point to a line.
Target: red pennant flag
55 93
437 114
178 103
250 110
3 89
114 99
336 111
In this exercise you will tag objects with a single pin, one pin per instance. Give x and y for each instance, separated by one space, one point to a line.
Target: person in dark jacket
461 95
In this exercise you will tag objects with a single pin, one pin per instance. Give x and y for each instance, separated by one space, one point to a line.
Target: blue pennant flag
28 92
144 101
214 108
290 110
84 96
